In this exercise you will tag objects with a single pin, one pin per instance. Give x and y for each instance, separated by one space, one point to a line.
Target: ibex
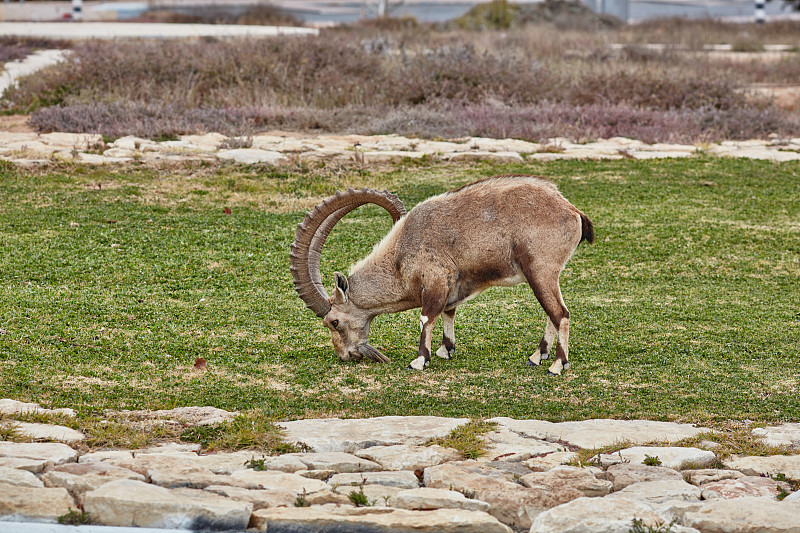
500 231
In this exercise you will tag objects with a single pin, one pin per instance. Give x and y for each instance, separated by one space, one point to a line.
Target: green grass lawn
112 283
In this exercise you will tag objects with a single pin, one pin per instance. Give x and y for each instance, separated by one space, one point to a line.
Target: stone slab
592 515
659 492
746 515
375 520
20 478
33 504
350 435
337 461
133 503
624 474
408 456
597 433
48 432
511 446
762 487
402 479
267 480
784 435
670 457
788 465
427 498
55 453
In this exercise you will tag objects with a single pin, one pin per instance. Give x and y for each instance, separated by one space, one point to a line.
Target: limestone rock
508 445
40 432
55 453
548 461
746 515
566 483
591 515
268 480
129 503
427 498
511 503
322 475
788 465
13 407
374 520
408 457
105 455
337 461
328 497
335 435
33 504
172 471
191 416
20 478
670 457
598 433
659 492
34 466
783 435
744 486
708 475
389 156
228 463
402 479
250 156
376 495
624 474
170 448
261 499
477 155
79 478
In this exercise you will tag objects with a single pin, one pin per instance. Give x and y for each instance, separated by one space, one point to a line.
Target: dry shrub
527 84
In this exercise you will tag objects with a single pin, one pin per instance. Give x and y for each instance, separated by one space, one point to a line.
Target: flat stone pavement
143 30
287 148
380 475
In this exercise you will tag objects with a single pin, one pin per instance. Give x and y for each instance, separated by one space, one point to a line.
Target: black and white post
77 10
760 11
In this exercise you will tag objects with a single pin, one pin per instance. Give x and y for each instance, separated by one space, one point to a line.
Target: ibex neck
375 287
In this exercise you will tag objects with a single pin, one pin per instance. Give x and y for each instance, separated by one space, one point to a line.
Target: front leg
433 302
448 346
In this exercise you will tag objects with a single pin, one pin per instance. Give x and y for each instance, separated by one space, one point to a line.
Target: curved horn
306 250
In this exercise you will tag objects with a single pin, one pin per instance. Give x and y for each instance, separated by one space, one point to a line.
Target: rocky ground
379 475
283 148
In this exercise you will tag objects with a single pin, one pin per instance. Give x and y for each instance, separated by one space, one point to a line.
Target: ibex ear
342 286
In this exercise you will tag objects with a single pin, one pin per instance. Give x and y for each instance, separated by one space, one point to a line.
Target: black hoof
551 374
531 363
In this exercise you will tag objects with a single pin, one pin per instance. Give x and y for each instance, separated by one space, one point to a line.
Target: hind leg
545 345
448 346
548 293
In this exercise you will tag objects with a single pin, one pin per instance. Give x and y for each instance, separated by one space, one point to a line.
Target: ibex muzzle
500 231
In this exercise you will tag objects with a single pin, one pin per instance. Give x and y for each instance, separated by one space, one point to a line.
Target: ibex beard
501 231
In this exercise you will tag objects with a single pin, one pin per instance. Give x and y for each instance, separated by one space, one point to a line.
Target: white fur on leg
556 367
418 363
536 358
443 353
422 321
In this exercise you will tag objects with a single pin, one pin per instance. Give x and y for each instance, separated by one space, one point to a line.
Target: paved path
530 479
123 30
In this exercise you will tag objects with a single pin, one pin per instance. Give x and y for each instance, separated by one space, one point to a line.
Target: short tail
587 229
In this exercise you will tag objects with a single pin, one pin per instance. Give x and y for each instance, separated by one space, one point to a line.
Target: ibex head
348 323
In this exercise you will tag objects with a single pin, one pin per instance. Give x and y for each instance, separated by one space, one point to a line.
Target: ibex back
500 231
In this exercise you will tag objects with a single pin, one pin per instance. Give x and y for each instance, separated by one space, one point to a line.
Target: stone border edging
286 148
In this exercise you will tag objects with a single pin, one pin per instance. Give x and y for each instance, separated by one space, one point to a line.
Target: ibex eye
335 323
